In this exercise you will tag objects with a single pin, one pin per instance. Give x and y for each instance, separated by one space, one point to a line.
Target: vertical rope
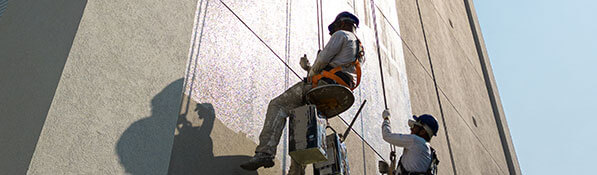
193 56
286 80
383 86
318 28
385 101
321 26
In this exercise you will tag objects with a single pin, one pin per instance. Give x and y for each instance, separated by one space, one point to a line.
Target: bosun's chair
330 99
327 153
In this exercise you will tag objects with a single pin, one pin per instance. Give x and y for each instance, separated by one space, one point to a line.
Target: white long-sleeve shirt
339 51
417 152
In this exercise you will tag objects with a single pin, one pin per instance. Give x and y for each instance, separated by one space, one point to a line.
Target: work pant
275 120
296 168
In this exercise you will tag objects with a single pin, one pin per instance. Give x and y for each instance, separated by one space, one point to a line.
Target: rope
320 31
321 26
383 86
318 28
264 43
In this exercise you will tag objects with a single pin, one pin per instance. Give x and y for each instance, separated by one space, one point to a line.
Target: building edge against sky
121 87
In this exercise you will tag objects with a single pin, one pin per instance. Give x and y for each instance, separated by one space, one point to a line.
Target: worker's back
341 50
417 154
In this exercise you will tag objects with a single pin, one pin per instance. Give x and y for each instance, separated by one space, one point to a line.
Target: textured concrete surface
35 41
116 104
492 89
204 145
464 87
109 85
453 63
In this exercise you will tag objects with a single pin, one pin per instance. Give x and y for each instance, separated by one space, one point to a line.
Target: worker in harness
337 63
418 158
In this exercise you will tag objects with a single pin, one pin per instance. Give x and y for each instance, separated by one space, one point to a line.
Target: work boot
257 161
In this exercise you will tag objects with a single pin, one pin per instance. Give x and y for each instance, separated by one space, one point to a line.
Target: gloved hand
386 114
304 62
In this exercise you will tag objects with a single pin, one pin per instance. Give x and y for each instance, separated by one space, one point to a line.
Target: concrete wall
35 42
164 87
449 77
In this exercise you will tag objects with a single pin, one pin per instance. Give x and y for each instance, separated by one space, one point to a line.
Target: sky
543 54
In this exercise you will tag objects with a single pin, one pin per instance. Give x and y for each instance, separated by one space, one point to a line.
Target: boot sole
268 164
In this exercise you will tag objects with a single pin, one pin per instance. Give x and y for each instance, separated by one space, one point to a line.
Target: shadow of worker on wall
144 147
193 148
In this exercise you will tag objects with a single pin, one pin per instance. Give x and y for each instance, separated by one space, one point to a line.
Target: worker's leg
275 121
275 118
296 168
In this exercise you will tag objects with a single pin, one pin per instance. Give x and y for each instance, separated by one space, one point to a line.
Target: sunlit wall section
232 69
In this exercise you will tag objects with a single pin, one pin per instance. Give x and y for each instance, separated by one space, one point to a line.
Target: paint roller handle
352 122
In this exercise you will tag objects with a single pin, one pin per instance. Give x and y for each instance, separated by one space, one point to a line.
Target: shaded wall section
116 105
35 41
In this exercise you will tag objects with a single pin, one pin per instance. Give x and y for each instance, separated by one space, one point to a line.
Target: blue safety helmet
344 16
428 121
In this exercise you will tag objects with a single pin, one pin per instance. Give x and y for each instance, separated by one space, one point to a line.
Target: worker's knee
284 99
274 102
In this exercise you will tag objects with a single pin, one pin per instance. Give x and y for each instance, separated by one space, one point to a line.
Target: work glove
386 114
304 62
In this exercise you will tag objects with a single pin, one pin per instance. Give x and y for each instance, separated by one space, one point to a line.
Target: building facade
181 87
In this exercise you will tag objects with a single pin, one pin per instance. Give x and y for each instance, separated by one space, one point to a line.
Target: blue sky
544 54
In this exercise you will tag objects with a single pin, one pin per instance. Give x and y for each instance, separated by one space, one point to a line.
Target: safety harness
340 77
432 170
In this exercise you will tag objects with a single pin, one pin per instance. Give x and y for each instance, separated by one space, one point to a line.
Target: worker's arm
401 140
329 51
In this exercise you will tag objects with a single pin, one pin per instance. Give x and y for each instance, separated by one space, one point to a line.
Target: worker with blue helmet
418 156
341 18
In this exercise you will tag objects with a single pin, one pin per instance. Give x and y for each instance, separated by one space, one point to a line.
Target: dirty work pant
296 168
275 120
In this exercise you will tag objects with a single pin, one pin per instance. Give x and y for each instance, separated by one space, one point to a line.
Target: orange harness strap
332 75
357 65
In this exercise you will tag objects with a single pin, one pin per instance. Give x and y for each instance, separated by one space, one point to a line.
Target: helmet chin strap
428 130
